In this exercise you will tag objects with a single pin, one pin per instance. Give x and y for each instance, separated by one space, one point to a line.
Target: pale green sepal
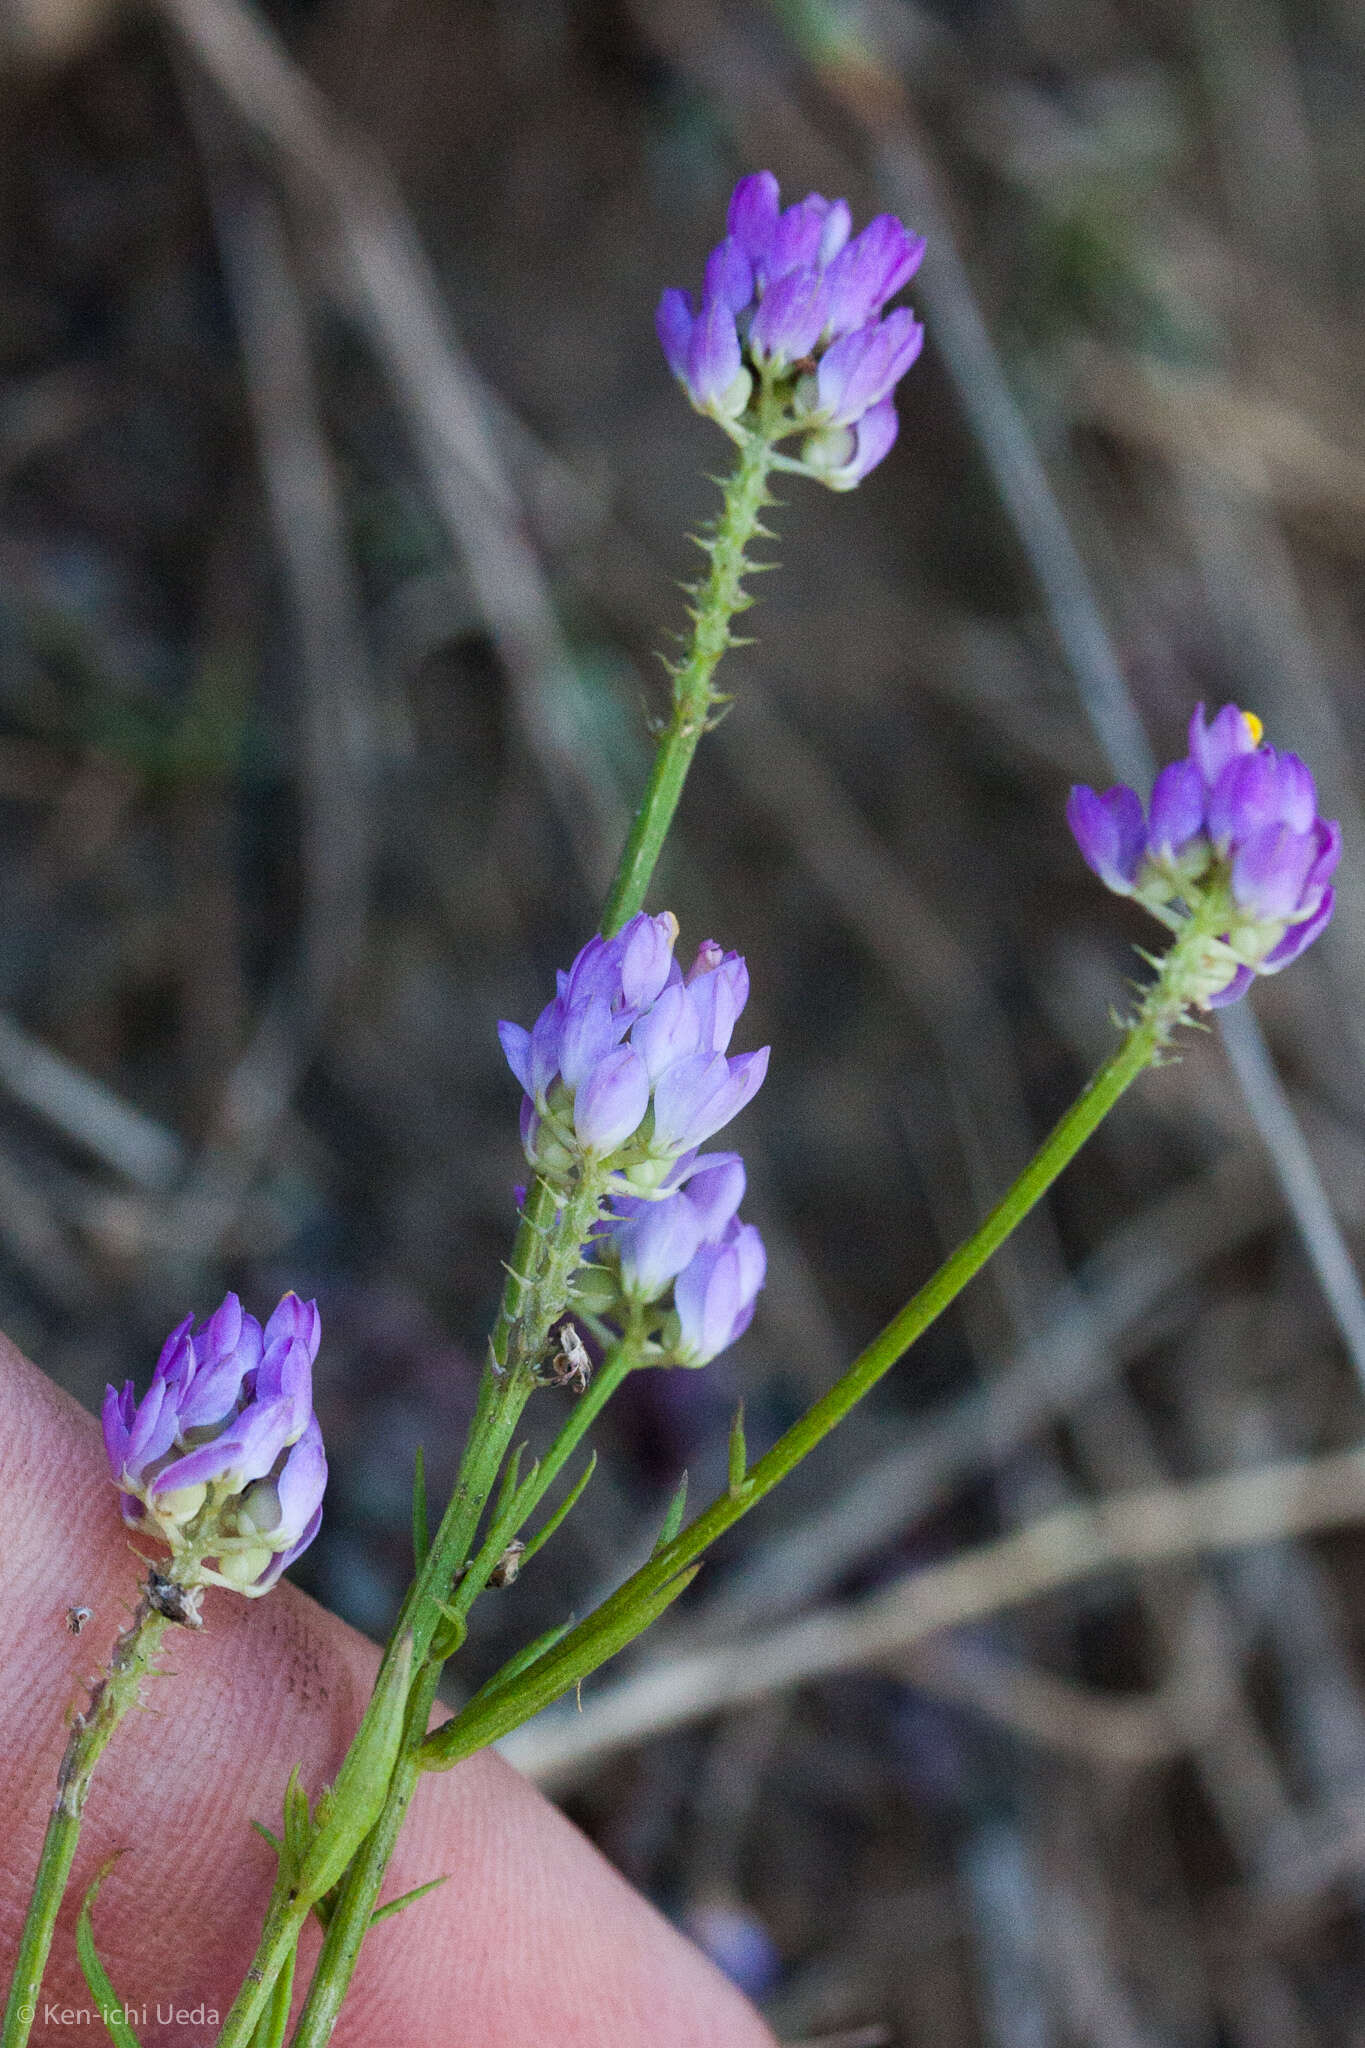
353 1804
677 1508
739 1455
94 1972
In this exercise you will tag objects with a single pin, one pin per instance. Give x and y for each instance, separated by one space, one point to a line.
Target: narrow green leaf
677 1508
408 1899
739 1455
96 1976
421 1527
266 1836
565 1508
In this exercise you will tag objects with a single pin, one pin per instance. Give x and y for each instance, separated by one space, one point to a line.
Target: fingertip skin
533 1939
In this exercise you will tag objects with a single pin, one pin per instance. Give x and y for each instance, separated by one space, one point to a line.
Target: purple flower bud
870 271
1212 746
715 1293
668 1032
1177 810
796 239
674 321
611 1104
789 319
716 380
842 456
223 1425
860 369
792 297
729 276
1109 832
717 996
586 1091
1233 834
752 218
699 1096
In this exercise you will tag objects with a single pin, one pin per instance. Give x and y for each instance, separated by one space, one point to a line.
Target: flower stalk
111 1697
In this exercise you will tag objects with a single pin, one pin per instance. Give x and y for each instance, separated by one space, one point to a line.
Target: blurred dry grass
344 494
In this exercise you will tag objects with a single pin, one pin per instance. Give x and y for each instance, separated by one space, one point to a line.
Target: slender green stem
719 597
548 1247
612 1624
91 1731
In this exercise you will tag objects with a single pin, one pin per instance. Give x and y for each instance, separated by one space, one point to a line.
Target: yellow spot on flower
1254 726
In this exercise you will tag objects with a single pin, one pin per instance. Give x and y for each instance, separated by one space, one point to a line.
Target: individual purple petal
1233 992
717 999
673 322
170 1357
1297 794
1176 811
1300 936
835 230
546 1035
1327 836
1231 733
861 368
795 243
284 1506
282 1560
789 319
590 1031
752 218
713 1191
729 276
715 1294
1110 833
286 1380
669 1031
699 1096
713 359
515 1041
610 1105
115 1417
297 1319
646 957
842 456
871 270
1269 870
153 1427
1244 799
654 1246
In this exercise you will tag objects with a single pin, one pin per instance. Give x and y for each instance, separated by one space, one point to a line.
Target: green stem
719 598
110 1700
548 1247
544 1681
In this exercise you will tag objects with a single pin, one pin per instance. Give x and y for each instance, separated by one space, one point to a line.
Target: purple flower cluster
627 1064
691 1239
223 1455
1234 826
793 302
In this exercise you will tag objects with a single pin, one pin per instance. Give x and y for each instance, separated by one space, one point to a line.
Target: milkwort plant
627 1227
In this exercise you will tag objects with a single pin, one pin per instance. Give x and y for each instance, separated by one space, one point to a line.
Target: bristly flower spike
790 336
1231 842
222 1458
